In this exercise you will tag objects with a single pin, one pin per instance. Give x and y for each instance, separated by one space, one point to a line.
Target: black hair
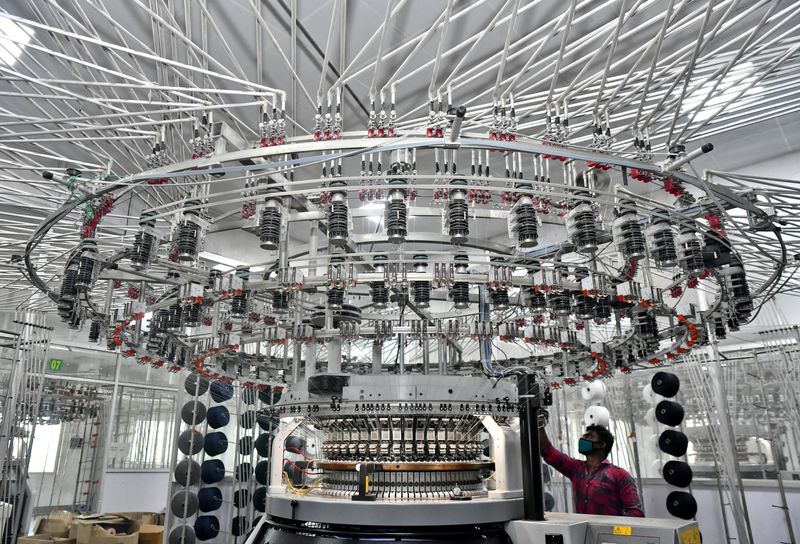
605 436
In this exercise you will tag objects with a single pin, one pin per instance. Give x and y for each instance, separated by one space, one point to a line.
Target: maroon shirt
608 491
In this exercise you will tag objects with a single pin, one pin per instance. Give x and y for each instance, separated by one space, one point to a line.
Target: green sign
55 364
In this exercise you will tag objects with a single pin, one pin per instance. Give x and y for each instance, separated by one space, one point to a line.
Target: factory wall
134 491
767 521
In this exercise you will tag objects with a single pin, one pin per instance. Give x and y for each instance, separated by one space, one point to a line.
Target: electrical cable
308 473
435 71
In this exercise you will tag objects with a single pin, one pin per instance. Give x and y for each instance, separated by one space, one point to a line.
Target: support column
530 402
442 356
311 358
335 356
297 357
426 356
401 354
377 357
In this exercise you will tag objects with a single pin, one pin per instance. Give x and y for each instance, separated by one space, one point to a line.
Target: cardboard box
104 529
52 527
44 539
151 534
145 518
64 515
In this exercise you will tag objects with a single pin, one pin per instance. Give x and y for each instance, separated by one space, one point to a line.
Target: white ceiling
95 80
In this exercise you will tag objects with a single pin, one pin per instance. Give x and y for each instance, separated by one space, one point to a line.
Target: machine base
280 531
559 528
393 514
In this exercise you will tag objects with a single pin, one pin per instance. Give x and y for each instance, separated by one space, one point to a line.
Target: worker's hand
544 418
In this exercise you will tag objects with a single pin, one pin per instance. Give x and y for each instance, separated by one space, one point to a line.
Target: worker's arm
544 442
563 463
629 498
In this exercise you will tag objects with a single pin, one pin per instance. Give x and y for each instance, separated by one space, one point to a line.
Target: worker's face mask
585 446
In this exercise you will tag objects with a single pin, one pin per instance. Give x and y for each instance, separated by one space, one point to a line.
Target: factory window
46 445
715 95
143 429
13 37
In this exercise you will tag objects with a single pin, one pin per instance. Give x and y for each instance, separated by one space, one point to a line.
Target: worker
598 487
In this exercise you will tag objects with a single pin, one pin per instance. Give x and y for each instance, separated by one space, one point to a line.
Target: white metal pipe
377 357
335 355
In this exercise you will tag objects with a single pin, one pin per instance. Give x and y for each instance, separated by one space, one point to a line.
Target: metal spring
527 228
159 322
396 220
559 302
733 322
536 300
213 275
65 309
742 300
458 220
743 309
692 256
269 229
94 331
582 227
75 320
460 294
191 313
280 301
585 307
663 248
175 316
163 348
154 342
68 290
645 324
186 240
337 221
239 304
142 250
86 273
335 297
645 347
619 356
739 287
719 329
602 307
629 238
499 298
173 349
422 293
380 295
182 357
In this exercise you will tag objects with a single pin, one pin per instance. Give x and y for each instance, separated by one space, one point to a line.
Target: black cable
771 294
399 347
321 53
773 280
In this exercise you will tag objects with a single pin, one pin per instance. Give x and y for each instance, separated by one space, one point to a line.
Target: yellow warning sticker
623 530
690 536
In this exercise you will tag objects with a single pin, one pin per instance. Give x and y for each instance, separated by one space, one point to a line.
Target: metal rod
377 357
529 398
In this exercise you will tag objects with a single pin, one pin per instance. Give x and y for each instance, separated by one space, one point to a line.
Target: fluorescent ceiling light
737 79
226 264
13 37
75 349
221 259
377 205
